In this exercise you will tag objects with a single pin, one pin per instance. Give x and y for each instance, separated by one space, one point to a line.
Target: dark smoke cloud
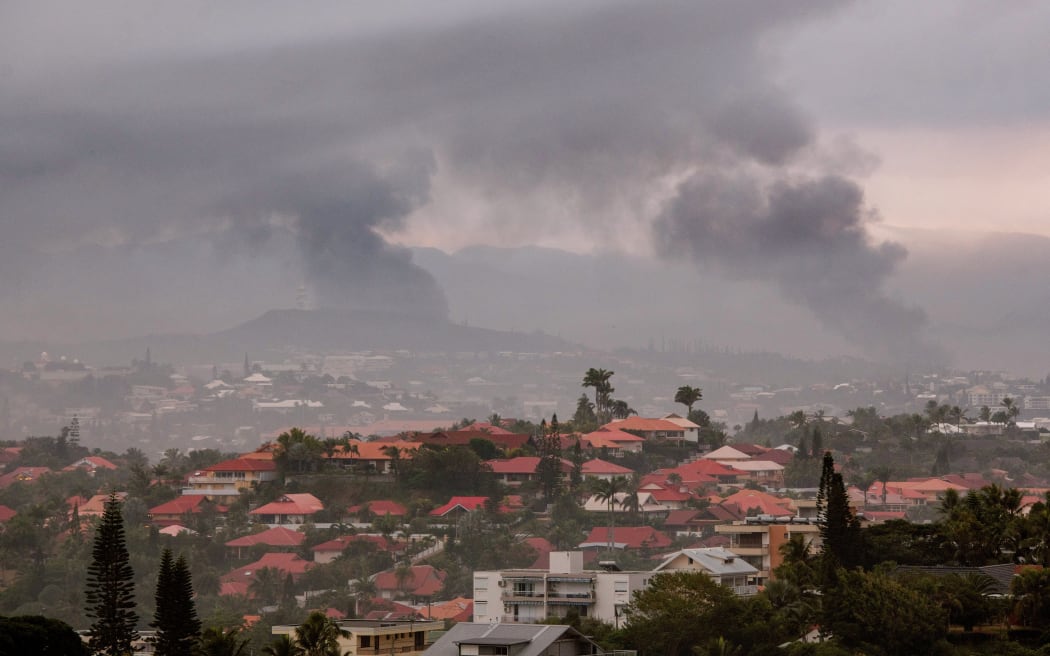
543 113
807 237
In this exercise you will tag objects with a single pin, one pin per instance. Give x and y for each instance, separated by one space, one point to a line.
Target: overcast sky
775 142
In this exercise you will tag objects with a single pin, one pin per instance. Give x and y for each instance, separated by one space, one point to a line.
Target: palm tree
599 380
217 642
403 574
394 453
319 636
283 646
621 410
1012 409
606 491
265 584
688 396
364 589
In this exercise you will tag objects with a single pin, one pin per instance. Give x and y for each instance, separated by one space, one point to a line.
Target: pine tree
110 593
549 468
175 619
839 528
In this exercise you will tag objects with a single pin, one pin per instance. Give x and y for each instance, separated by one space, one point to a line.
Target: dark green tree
549 470
584 420
872 613
839 527
33 635
678 612
817 443
110 593
215 641
603 389
175 619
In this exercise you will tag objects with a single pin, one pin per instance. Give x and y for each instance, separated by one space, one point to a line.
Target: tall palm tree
266 584
603 389
606 491
364 589
688 396
319 636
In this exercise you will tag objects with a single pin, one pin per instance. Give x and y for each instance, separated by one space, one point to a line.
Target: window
481 583
366 641
481 608
620 586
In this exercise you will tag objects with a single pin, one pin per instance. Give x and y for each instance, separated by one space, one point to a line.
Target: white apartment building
529 596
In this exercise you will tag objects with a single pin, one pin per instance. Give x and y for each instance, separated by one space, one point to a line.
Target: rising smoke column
808 237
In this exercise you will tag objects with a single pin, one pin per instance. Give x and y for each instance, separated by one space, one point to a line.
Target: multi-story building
530 596
225 480
722 565
757 540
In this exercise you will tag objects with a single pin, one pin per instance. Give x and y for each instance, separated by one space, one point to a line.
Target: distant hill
281 331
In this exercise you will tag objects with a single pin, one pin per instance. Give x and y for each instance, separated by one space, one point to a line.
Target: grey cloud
587 104
807 237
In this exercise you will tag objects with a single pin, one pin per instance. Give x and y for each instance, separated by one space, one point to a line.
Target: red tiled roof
179 506
612 434
643 424
234 589
543 548
22 474
598 466
285 563
634 537
274 537
463 438
6 513
522 465
760 502
340 543
424 582
468 504
243 464
460 609
680 517
379 508
90 462
291 504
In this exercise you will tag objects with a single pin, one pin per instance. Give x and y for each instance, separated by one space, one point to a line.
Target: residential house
22 475
379 508
658 429
458 506
647 504
91 464
722 565
473 639
612 441
368 637
238 581
224 481
602 470
422 583
504 440
328 551
758 540
289 509
376 456
763 472
176 510
529 596
626 537
279 538
515 471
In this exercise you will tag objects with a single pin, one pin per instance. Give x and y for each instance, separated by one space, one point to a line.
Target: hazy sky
764 141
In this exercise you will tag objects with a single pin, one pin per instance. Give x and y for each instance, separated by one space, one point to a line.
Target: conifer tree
110 593
175 619
839 528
